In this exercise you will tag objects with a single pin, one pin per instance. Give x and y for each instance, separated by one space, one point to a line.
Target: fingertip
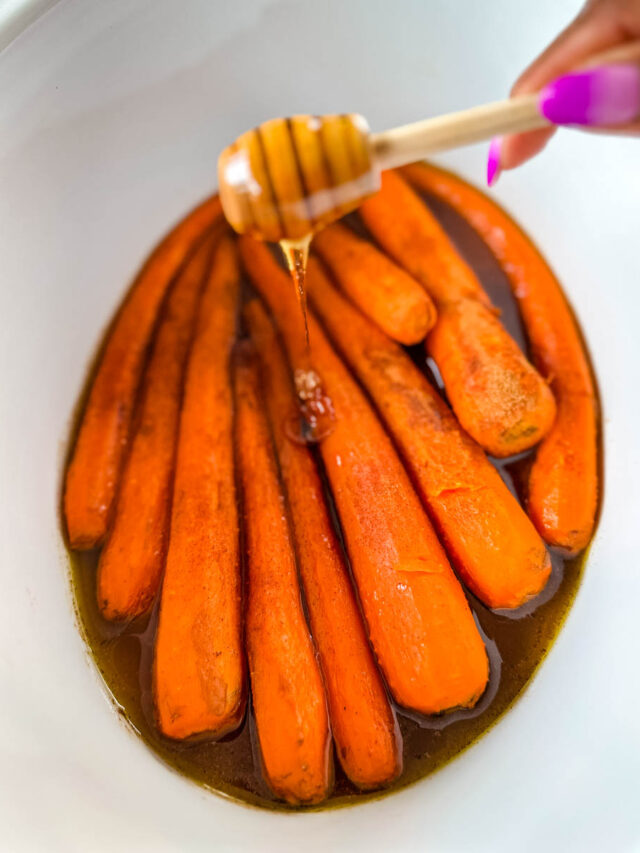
493 161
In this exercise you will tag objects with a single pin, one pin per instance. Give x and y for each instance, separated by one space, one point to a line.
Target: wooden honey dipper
289 177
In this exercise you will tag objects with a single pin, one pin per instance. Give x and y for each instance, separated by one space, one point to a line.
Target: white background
112 115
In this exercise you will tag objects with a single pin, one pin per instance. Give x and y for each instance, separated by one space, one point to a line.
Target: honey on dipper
282 182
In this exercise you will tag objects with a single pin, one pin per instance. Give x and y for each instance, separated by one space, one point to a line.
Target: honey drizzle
315 417
296 253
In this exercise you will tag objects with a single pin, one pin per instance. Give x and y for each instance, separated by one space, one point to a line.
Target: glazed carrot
406 229
492 543
92 476
288 695
131 561
199 667
496 394
381 289
368 742
498 397
563 484
418 619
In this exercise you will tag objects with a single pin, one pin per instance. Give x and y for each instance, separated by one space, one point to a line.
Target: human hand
605 98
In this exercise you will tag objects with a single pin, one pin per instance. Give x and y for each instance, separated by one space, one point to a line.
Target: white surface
112 117
16 15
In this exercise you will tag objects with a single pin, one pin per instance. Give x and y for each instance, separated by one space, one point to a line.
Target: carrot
491 541
365 730
563 483
405 228
418 619
496 394
498 397
381 290
94 470
131 561
199 667
288 695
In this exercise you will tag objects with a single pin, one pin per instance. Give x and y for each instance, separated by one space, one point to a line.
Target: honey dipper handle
412 142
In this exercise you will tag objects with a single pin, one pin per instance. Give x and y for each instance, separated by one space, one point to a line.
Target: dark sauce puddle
516 643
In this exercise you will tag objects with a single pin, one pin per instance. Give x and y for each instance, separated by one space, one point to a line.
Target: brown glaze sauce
516 642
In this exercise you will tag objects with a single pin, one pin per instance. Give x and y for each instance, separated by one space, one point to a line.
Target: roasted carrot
381 289
496 394
132 559
495 548
418 619
94 470
498 397
403 225
563 483
287 691
368 742
199 667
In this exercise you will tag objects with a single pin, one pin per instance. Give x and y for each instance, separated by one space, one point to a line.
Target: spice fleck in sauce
516 641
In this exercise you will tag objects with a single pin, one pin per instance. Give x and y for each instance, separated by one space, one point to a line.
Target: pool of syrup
516 642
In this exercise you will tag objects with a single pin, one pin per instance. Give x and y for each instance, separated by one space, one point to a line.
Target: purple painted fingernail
493 161
599 96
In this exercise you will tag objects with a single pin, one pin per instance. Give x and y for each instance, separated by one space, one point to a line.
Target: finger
602 26
604 97
574 43
520 147
632 129
595 29
599 96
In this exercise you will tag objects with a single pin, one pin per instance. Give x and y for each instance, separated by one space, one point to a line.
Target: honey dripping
315 417
296 253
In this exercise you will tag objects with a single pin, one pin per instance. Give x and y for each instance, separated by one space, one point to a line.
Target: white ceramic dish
112 116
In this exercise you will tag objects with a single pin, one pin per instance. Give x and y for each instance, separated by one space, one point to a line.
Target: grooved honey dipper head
289 177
